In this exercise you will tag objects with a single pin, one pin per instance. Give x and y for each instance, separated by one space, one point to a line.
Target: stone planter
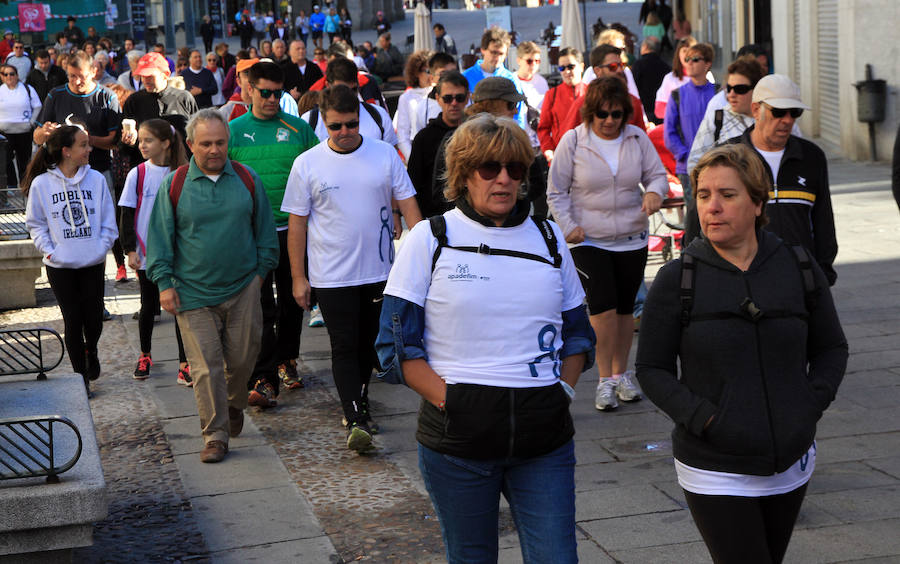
20 266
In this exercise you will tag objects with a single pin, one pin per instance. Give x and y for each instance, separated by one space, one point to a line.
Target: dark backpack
376 116
748 308
439 230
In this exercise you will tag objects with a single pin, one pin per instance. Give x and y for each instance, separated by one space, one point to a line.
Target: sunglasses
533 61
614 67
267 93
694 59
779 113
570 66
615 114
491 169
738 88
459 98
336 126
8 74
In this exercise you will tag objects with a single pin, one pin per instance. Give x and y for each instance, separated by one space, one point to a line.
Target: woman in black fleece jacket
762 354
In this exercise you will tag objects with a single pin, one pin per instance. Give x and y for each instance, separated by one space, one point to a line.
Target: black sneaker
142 370
106 315
359 437
93 364
366 413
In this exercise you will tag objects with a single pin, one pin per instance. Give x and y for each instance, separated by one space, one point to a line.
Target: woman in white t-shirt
483 316
594 192
419 82
19 104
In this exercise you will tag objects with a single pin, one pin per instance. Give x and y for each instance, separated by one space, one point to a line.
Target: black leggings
79 293
149 309
752 530
610 278
20 144
351 316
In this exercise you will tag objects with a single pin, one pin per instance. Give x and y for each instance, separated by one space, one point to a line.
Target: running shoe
92 365
366 416
184 376
359 437
605 400
142 371
315 317
121 274
262 395
106 315
627 387
287 373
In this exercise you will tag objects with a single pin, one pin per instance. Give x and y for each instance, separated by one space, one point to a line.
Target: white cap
778 91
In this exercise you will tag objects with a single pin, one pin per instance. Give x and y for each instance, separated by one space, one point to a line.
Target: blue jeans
541 496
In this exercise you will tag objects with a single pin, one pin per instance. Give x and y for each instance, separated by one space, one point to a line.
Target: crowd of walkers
246 190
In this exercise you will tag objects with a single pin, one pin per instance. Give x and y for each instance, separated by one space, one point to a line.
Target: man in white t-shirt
339 196
534 86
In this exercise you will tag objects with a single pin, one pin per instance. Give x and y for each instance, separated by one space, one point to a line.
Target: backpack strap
804 262
439 231
550 238
686 294
376 117
717 120
314 117
676 97
247 178
177 185
141 174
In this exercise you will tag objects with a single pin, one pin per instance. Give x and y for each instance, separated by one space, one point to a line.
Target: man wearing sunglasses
452 96
268 140
339 196
799 206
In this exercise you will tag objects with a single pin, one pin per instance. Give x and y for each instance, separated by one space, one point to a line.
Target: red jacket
573 120
554 111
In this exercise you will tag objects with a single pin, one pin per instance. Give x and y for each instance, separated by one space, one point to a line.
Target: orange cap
245 64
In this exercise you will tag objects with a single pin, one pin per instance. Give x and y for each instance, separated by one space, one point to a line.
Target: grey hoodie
71 220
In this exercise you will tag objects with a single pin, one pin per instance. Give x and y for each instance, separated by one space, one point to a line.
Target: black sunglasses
694 59
491 169
267 93
738 88
459 98
779 113
336 126
616 114
8 74
570 66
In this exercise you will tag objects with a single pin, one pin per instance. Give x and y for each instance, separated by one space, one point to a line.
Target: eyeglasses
564 68
614 67
779 113
533 61
267 93
8 74
694 59
491 169
738 88
336 126
615 114
458 98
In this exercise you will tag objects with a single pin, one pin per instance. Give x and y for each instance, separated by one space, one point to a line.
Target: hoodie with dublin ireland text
72 221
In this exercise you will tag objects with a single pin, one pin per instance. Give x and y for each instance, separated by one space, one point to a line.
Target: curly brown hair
609 91
415 64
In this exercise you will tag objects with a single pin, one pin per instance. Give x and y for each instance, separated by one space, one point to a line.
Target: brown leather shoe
235 421
214 451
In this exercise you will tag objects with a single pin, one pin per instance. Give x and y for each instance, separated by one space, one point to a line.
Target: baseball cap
496 88
778 91
245 64
150 62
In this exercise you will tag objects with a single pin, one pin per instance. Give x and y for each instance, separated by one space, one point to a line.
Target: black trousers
149 309
79 293
751 530
351 316
282 320
18 153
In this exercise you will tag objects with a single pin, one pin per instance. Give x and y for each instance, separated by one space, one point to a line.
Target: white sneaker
605 400
315 317
627 387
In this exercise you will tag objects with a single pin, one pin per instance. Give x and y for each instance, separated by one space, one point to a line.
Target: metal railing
28 351
12 214
27 447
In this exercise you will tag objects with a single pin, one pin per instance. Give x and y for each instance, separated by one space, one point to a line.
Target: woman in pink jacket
594 192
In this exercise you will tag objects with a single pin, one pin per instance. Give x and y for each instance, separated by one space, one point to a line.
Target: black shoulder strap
376 117
804 262
314 117
688 275
718 119
439 230
676 97
550 238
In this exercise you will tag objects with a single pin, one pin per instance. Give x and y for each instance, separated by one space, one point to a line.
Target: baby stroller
666 229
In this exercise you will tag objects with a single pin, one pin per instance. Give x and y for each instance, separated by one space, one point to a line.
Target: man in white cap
799 206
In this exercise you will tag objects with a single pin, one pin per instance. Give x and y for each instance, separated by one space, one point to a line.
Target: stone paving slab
849 542
864 504
183 434
622 502
303 550
652 529
841 476
889 465
248 469
693 552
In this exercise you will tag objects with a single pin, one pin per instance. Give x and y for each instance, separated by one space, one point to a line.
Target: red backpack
181 174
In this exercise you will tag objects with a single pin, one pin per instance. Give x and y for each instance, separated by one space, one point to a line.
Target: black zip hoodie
767 382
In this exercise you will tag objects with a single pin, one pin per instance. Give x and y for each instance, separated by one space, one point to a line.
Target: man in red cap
156 100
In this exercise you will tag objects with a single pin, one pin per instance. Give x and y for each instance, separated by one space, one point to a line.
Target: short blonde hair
479 139
750 170
527 48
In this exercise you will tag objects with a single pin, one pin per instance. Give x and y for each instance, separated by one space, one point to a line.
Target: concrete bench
40 521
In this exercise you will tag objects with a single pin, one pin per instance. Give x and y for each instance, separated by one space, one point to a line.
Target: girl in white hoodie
71 218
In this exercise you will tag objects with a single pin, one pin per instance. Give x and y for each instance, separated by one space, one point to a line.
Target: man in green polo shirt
209 247
268 140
